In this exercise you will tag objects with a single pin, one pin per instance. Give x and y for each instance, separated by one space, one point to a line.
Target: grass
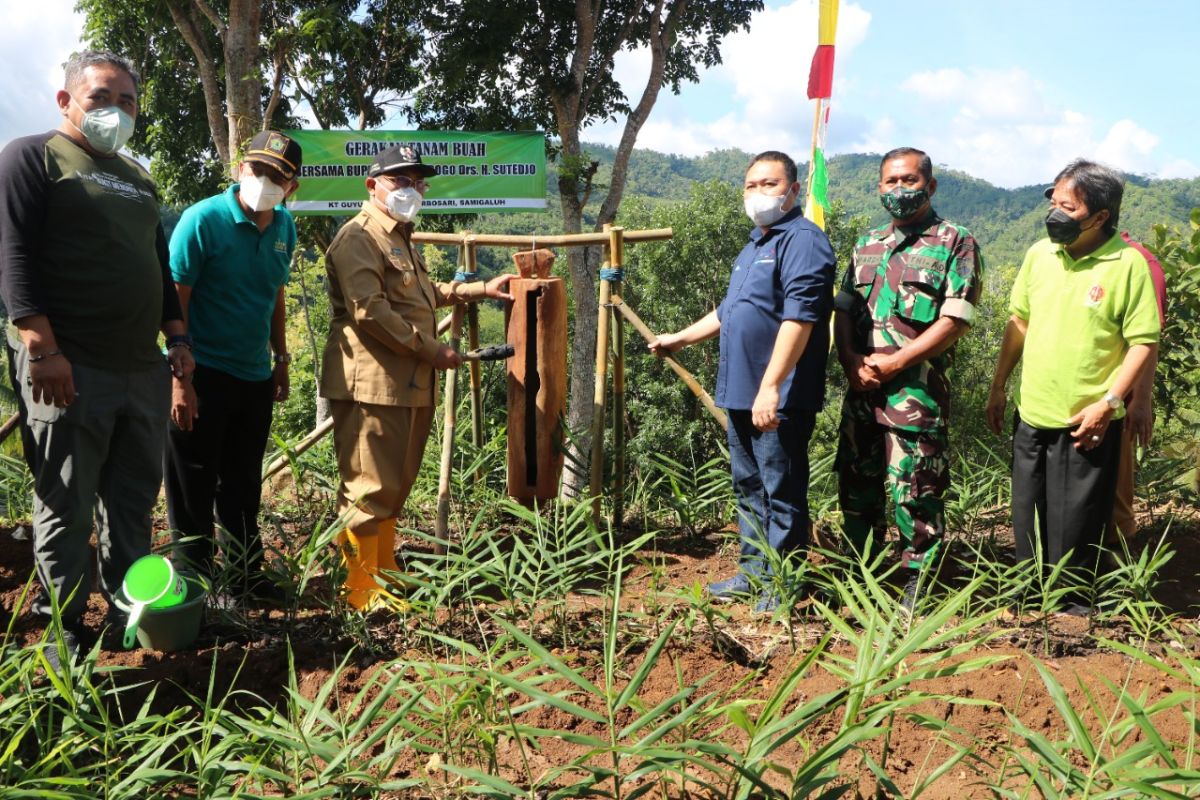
518 666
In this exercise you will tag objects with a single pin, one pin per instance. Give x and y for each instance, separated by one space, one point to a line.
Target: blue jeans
770 480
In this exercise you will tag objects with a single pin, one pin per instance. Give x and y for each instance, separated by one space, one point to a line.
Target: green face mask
903 203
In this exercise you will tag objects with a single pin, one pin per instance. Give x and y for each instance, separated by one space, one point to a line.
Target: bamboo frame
596 485
450 400
617 248
562 240
473 367
611 309
693 384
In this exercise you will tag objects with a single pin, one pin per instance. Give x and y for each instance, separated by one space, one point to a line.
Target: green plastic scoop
150 583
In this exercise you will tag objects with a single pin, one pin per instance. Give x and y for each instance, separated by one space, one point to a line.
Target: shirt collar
756 234
1109 251
235 208
385 220
901 232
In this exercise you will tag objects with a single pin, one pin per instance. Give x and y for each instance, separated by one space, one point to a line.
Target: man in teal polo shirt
1085 302
230 257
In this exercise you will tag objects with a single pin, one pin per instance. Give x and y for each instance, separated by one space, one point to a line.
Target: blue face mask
106 129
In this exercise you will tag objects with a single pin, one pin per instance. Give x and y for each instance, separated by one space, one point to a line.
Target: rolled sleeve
959 309
807 272
1140 324
964 279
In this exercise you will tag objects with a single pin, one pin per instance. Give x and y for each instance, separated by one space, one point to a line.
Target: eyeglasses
404 182
260 170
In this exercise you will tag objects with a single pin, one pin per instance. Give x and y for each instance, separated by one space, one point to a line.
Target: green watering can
151 582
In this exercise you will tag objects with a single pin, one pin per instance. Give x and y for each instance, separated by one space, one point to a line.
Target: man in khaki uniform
380 359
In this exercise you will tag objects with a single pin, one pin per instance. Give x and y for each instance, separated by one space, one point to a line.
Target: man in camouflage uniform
908 295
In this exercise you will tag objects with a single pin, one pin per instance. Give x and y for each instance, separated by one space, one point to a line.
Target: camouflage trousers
913 467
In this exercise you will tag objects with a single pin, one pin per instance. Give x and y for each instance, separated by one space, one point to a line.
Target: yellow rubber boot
386 546
360 556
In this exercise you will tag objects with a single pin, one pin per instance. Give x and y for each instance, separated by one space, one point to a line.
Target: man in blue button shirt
774 328
230 257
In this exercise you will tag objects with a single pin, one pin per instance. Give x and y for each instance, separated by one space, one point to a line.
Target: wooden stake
693 384
474 367
617 249
602 317
308 441
449 400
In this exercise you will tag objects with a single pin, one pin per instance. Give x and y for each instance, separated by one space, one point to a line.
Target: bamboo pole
473 367
693 384
602 317
617 249
308 441
441 529
10 425
531 241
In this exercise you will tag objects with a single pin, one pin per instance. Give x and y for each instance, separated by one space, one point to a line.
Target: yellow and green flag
820 88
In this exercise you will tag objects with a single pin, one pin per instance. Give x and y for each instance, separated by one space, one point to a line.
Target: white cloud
1002 126
36 39
762 82
984 94
1128 146
1179 168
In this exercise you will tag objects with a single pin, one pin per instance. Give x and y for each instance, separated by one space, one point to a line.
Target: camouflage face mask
903 203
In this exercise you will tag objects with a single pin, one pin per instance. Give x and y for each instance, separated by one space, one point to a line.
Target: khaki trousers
379 451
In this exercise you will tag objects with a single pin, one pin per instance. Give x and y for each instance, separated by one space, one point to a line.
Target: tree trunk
189 28
243 77
583 339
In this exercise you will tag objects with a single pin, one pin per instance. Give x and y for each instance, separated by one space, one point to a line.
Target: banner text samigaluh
476 171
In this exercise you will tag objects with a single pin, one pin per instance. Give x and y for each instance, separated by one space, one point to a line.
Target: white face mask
765 209
106 129
260 193
404 204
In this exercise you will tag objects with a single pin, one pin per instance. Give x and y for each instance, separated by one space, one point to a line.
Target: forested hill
1005 221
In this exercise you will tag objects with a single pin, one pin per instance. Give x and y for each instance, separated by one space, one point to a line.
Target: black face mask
1061 228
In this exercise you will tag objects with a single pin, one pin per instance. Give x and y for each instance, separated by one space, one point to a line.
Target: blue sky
1008 90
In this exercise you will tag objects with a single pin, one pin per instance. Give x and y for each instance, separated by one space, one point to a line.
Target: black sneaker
264 591
913 591
1077 610
56 645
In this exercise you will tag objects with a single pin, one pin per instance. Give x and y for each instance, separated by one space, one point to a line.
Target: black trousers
217 466
1070 491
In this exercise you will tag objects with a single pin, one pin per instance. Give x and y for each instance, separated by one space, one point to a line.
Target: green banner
477 172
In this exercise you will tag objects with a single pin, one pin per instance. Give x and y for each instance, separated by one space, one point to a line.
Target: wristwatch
1114 402
283 358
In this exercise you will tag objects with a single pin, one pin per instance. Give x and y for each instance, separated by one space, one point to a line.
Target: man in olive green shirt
85 279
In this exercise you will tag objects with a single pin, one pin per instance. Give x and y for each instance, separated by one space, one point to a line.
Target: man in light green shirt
1085 323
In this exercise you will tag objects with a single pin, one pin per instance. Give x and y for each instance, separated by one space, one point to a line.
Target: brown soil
742 654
